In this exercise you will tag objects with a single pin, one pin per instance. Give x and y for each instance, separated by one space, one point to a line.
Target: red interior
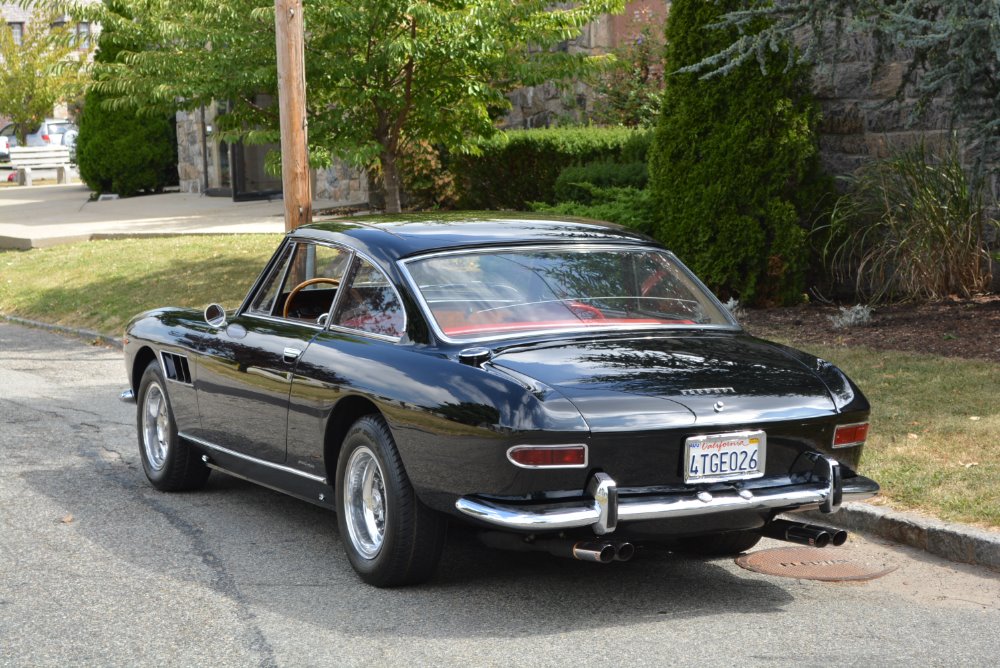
557 324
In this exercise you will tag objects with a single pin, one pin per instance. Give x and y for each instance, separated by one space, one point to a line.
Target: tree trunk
390 180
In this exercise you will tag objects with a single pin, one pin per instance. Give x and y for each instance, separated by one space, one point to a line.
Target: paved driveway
97 568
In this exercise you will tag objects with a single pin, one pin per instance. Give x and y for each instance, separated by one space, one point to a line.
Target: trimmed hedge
521 166
576 183
625 206
734 168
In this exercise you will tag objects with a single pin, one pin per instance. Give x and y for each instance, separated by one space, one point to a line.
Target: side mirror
215 316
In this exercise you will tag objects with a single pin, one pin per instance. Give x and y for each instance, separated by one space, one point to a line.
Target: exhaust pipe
600 552
804 534
595 551
837 536
624 550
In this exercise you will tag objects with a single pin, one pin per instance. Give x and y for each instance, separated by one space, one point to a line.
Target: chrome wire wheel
365 502
155 426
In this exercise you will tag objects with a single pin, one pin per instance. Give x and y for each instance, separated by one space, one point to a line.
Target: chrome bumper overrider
604 509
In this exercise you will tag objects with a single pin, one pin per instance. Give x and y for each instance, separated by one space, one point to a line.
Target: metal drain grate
810 563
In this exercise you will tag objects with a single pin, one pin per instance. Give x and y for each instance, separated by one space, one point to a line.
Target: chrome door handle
291 354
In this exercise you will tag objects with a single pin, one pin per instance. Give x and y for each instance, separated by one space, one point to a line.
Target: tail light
548 456
849 435
46 139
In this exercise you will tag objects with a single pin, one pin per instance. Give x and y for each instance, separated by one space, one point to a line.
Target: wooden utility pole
295 181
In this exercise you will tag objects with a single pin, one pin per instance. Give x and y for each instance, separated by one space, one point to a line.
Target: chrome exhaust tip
594 551
624 551
803 534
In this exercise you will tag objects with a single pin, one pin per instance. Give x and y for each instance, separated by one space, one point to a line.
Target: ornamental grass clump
911 226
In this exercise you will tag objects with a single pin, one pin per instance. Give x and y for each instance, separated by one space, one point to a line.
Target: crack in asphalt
121 473
223 581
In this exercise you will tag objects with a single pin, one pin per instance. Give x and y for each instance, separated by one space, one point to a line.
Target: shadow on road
265 550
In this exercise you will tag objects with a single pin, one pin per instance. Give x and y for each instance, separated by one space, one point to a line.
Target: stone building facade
205 164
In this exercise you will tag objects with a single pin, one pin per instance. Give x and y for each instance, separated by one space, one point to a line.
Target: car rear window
505 292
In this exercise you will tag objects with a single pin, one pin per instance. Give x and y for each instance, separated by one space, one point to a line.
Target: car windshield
491 293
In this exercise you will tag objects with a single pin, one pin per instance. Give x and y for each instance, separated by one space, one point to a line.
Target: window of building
82 40
17 32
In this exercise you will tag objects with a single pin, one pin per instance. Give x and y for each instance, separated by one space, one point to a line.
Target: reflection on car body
565 386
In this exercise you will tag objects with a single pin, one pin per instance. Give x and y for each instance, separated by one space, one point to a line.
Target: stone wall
549 104
341 184
864 119
190 163
861 117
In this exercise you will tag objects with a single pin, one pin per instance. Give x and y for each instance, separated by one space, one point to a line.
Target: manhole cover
810 563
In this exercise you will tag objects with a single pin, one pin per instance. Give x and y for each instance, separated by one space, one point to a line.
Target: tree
381 74
955 47
733 164
45 68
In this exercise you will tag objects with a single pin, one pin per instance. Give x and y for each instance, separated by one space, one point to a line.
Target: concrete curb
955 542
93 337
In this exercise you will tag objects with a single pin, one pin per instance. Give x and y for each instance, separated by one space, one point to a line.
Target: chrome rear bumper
604 509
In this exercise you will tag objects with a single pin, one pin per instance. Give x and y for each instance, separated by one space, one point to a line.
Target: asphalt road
97 568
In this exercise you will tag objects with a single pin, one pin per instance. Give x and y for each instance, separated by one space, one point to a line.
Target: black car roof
412 234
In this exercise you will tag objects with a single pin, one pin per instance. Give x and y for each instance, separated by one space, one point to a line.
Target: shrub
733 167
521 166
121 152
911 226
572 182
624 206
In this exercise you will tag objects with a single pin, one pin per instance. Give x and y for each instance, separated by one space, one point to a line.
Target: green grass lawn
935 439
100 285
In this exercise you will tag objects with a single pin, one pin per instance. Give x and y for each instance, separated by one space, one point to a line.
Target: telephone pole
295 181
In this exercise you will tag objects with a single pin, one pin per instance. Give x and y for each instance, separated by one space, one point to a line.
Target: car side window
370 303
304 283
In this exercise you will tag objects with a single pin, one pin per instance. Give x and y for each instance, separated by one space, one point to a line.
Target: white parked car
51 131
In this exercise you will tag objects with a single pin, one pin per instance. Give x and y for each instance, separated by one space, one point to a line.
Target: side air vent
176 367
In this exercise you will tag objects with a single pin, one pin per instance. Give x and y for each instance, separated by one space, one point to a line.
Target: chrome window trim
833 438
561 446
254 460
578 246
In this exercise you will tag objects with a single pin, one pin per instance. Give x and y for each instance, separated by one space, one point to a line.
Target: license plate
720 457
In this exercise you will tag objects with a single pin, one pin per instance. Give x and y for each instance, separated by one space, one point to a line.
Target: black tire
391 539
720 544
171 465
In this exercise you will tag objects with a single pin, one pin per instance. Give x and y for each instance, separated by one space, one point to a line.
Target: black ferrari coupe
564 386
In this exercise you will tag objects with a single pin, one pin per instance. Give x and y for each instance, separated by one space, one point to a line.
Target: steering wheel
592 312
305 284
